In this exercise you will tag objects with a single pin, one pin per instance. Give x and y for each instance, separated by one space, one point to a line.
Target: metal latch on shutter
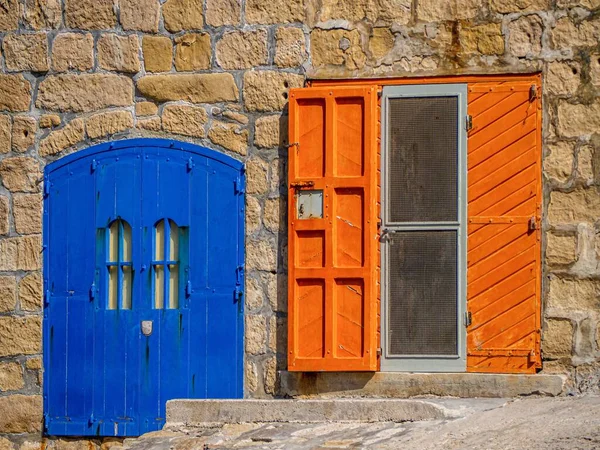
532 92
468 319
469 122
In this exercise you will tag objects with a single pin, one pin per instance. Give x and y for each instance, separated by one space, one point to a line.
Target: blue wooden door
143 276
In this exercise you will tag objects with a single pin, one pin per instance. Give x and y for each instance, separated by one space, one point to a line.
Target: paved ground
528 423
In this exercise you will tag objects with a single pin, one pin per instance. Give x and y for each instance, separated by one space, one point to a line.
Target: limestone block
146 109
183 15
73 51
272 335
4 215
261 255
557 338
20 174
595 69
43 14
5 444
184 119
230 136
525 36
251 377
270 370
8 293
192 52
5 133
485 39
9 15
585 163
590 4
563 78
149 124
274 215
242 49
34 363
255 334
266 131
278 177
223 12
266 90
31 292
84 92
576 120
274 11
561 249
566 34
443 10
337 47
90 14
21 253
290 47
11 376
119 53
24 52
380 42
23 133
574 294
277 291
375 11
21 414
140 15
27 211
254 294
61 139
580 205
253 211
256 176
158 53
20 336
15 93
559 163
194 88
510 6
238 117
105 124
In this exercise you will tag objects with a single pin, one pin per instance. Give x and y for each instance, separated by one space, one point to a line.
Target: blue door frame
113 353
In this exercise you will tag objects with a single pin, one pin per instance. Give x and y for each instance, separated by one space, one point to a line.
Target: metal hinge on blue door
238 292
46 187
239 186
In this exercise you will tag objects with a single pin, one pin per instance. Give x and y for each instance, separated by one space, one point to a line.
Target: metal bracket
302 184
469 123
532 92
468 319
532 224
293 144
93 292
93 165
188 289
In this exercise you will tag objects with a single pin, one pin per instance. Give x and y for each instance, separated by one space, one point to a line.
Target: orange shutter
503 260
333 259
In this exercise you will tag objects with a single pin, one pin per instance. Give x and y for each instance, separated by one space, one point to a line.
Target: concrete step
407 385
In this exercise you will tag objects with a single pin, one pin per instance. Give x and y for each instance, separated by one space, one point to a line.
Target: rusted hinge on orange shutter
293 144
302 184
468 319
532 224
378 351
469 123
532 92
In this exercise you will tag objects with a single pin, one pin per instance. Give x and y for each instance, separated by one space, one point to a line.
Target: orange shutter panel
332 268
503 260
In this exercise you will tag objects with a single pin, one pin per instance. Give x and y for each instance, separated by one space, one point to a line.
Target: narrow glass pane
127 285
173 286
127 250
113 241
159 241
173 241
113 280
159 287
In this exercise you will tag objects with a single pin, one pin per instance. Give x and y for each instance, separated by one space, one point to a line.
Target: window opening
119 265
166 264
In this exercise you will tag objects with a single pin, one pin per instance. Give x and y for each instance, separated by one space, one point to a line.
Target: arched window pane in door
166 264
119 265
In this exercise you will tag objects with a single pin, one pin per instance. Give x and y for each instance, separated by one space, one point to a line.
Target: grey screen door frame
428 362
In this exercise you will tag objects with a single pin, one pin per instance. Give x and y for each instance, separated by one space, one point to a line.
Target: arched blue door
143 277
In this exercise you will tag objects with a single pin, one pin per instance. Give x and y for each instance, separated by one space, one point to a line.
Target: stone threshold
407 385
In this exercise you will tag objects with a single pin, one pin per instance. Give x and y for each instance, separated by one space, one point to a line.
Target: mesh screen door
423 235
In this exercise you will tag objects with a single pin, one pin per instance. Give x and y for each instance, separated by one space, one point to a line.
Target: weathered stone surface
8 293
254 294
561 249
5 133
595 69
90 14
149 124
266 131
11 376
182 15
380 42
337 47
559 163
15 93
20 174
525 36
158 53
242 49
140 15
590 4
277 292
563 78
255 334
20 336
484 39
270 368
105 124
278 176
43 14
59 140
253 211
21 414
34 363
194 88
274 11
585 163
229 136
261 255
73 51
26 52
9 15
27 211
251 377
567 34
223 12
575 120
256 176
4 215
580 295
581 205
5 444
21 253
146 109
238 117
375 11
273 216
85 92
442 10
510 6
119 53
192 52
30 292
184 119
268 90
23 133
557 338
290 47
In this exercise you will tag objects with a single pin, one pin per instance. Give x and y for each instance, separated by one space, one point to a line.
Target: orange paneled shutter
332 245
503 260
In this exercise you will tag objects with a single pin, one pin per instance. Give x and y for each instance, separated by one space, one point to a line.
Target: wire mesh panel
423 159
423 298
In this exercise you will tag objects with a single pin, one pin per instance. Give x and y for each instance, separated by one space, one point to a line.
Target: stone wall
216 72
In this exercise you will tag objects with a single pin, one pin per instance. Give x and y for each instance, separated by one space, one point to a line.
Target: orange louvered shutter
503 260
333 241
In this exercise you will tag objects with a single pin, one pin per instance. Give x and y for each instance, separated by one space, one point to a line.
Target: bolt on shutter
503 260
333 240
